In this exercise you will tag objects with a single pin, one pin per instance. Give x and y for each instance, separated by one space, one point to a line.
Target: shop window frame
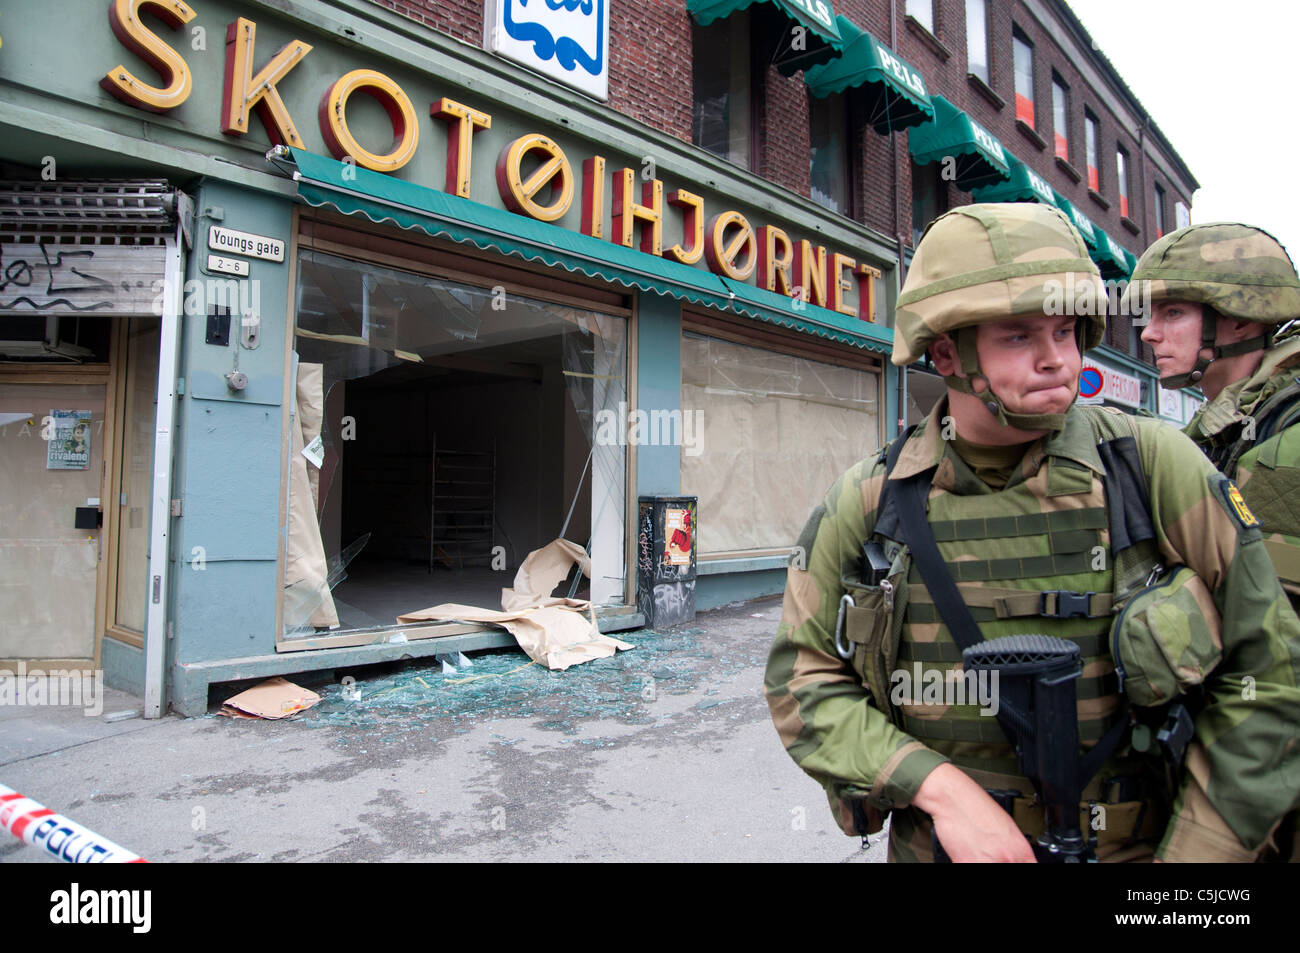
749 333
365 242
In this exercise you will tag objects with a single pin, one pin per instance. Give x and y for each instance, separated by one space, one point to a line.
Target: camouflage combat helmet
980 264
1230 269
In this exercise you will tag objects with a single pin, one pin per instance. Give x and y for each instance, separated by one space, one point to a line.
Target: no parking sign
1091 382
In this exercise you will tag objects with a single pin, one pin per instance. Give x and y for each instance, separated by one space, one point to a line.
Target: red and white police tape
58 836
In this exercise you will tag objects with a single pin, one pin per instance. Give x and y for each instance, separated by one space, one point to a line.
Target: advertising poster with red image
677 533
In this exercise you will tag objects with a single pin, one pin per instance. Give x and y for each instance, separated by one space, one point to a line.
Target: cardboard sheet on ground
273 698
556 632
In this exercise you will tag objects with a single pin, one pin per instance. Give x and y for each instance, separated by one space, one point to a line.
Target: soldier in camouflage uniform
1018 508
1218 295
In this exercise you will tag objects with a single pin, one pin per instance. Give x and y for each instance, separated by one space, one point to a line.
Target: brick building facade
651 74
470 268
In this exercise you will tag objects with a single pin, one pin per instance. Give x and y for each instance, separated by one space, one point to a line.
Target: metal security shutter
89 212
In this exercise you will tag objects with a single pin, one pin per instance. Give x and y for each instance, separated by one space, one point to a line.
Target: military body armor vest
1269 453
1052 554
1031 550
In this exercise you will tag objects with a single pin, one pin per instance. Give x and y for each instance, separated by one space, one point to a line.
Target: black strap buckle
1177 731
1068 604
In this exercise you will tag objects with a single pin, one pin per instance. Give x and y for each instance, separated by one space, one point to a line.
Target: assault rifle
1035 678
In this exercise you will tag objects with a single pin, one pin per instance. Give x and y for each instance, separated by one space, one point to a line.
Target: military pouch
1166 638
868 624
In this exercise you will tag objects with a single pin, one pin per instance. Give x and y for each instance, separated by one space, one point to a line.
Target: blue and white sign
1172 406
567 40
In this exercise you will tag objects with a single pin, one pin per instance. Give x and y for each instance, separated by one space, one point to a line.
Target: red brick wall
650 64
948 77
649 57
651 82
462 19
783 141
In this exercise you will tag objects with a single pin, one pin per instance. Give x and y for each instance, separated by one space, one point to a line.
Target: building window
775 429
1160 211
1090 143
922 11
929 197
1061 118
1023 63
1122 169
977 39
723 88
440 385
829 154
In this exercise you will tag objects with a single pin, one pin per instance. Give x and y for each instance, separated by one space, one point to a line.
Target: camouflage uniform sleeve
818 703
1270 480
1243 767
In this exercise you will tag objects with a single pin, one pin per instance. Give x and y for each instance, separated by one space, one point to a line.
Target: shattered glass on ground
505 684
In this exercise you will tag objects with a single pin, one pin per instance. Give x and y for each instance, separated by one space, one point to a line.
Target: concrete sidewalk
663 753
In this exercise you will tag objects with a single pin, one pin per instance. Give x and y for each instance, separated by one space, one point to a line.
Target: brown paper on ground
556 632
541 571
273 698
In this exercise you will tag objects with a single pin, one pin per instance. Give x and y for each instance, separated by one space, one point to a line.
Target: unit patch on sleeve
1236 504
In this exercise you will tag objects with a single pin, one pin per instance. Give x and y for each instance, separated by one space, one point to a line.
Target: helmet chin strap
970 365
1209 331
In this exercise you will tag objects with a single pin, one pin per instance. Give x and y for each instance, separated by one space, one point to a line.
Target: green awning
1080 221
894 92
820 44
980 158
1111 257
808 318
1025 185
383 198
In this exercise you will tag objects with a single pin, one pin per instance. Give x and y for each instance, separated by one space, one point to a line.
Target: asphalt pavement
662 753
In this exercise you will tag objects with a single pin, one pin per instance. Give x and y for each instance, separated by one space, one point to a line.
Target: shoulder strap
911 495
1128 503
887 515
1278 412
1284 404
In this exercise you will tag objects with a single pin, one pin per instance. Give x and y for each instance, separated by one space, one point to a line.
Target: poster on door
68 440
